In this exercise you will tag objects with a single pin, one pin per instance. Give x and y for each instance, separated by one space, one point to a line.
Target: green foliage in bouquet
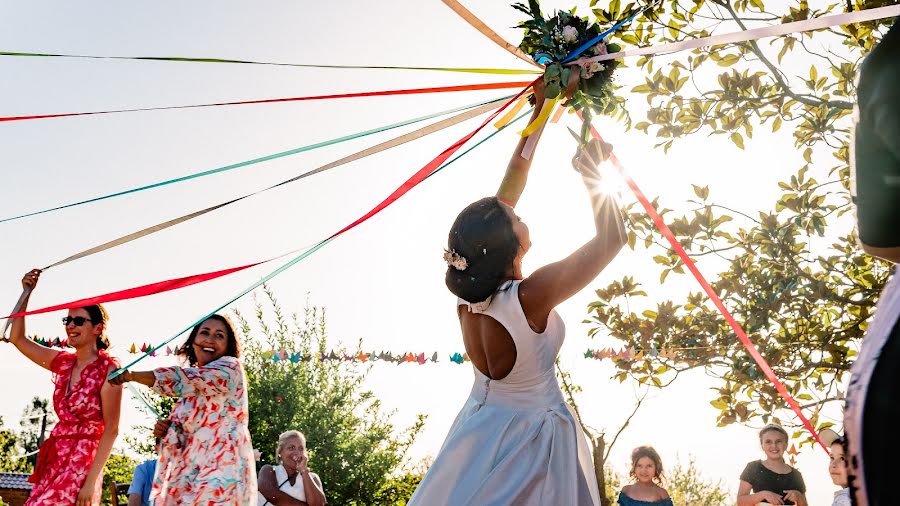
557 37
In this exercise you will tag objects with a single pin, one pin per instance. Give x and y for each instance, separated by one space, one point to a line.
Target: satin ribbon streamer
756 33
409 184
711 293
485 30
468 70
414 91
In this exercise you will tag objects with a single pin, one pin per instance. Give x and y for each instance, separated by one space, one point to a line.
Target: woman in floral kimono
206 456
70 463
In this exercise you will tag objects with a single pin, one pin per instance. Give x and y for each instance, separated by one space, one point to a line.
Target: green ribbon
278 64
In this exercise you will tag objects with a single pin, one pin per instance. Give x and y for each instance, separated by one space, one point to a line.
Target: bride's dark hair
483 235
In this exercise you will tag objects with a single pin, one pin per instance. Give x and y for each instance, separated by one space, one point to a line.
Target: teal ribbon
254 161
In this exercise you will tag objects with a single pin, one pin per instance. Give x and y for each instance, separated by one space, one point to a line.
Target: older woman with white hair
290 483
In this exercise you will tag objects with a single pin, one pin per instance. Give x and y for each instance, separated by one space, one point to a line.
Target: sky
383 281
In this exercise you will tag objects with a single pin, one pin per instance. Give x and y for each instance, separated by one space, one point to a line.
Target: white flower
569 33
455 260
597 67
586 73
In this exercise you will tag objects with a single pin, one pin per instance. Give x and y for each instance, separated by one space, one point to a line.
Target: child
838 465
771 480
647 471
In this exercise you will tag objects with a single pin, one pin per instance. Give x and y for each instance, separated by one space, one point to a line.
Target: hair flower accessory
455 260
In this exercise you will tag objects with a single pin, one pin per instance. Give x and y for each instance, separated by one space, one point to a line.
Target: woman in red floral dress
70 463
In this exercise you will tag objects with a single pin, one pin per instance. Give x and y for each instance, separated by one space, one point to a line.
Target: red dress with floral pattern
66 456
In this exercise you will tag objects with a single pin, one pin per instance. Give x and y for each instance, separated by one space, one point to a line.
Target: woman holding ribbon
516 441
206 456
70 463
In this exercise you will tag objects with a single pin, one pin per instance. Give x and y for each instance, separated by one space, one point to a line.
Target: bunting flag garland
414 91
277 64
282 355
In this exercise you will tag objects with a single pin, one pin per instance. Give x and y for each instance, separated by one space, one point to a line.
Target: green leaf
702 192
737 139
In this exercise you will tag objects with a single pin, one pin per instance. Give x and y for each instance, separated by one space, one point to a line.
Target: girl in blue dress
647 472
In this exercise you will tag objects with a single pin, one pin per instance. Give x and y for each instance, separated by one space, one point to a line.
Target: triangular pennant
434 357
133 349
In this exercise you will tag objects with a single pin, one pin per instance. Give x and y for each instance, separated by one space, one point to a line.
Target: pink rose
569 33
600 49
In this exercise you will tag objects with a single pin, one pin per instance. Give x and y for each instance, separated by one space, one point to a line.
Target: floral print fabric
66 456
206 457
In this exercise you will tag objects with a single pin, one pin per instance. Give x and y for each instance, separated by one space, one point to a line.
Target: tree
687 487
10 458
37 421
141 439
119 469
353 446
805 304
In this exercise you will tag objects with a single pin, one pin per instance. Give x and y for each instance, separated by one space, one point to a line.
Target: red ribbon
139 291
415 91
711 293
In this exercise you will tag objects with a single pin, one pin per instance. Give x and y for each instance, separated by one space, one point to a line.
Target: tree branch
776 74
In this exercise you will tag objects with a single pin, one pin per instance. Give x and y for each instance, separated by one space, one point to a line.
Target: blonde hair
282 439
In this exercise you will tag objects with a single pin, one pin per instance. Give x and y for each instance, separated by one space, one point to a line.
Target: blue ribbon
595 40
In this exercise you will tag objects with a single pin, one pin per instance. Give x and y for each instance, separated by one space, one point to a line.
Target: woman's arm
554 283
516 175
111 404
268 487
143 377
216 378
40 355
315 496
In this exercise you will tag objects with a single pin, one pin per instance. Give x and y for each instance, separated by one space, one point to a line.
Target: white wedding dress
516 441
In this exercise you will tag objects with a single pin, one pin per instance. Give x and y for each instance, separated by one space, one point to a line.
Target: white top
842 497
296 490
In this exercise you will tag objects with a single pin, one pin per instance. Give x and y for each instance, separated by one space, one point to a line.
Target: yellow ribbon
549 105
503 121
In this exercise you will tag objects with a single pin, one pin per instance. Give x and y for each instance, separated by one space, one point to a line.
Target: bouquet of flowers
551 40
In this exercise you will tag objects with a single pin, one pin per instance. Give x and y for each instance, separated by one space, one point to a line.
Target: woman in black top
771 480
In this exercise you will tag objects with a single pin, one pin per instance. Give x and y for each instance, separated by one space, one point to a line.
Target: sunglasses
77 320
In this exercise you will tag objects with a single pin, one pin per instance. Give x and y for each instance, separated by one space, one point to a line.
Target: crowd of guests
515 441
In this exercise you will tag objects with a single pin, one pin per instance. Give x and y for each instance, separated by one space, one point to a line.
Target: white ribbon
756 33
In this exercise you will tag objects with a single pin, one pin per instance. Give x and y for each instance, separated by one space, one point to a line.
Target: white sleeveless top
296 490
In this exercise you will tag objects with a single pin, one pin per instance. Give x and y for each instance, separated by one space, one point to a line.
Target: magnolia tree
792 273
